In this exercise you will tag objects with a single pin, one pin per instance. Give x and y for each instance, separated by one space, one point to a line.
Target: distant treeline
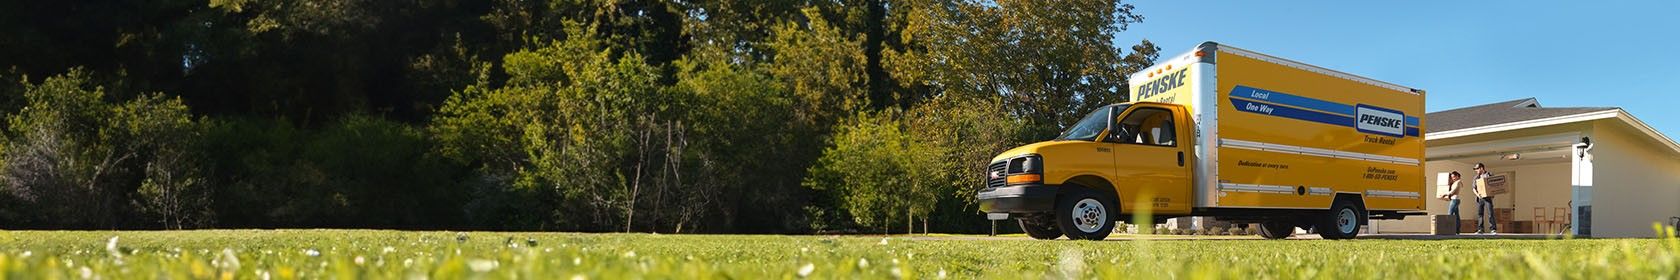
577 115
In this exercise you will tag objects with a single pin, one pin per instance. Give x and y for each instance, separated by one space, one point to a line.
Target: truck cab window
1147 126
1092 125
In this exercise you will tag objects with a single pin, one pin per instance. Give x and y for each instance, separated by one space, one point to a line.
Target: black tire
1335 224
1277 230
1040 228
1096 216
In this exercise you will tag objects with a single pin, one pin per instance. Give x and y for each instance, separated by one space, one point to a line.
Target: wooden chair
1563 219
1541 224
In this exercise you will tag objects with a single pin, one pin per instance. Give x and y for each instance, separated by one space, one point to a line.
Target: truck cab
1073 184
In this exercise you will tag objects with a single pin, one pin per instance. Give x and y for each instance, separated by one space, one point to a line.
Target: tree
76 159
870 170
569 121
164 135
822 66
958 137
1049 62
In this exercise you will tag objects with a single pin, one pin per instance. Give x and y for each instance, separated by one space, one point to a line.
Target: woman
1451 196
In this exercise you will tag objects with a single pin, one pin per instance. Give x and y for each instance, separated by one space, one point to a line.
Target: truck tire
1040 228
1277 230
1083 214
1343 221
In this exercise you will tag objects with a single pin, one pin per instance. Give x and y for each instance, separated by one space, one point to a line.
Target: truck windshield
1092 125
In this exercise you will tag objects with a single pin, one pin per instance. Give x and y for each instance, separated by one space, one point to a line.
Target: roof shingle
1500 113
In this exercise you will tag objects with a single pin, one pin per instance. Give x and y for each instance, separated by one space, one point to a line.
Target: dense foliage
638 115
353 254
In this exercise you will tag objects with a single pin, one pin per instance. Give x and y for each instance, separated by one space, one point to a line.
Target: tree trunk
636 184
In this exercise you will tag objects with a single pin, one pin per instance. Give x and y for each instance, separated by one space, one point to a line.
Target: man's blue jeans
1452 209
1484 215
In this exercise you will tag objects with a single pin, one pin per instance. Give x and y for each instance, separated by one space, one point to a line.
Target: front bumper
1029 198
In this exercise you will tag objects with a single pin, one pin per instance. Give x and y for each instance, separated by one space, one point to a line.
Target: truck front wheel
1041 228
1277 230
1083 214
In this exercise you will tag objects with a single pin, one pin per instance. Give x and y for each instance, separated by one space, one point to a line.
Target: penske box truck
1227 133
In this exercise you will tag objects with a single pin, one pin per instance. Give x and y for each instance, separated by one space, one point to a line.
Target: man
1485 222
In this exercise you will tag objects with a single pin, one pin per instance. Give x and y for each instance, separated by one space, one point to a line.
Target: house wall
1636 182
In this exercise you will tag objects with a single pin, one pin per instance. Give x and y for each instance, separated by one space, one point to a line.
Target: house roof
1527 113
1501 113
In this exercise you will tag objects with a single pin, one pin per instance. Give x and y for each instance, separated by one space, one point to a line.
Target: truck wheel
1040 228
1344 220
1276 230
1084 214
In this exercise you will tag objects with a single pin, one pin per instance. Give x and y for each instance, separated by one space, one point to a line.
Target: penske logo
1376 120
1161 85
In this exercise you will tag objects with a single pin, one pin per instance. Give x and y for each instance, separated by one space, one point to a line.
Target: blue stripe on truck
1286 99
1266 108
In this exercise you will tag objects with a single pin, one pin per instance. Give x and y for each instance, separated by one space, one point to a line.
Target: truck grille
1000 167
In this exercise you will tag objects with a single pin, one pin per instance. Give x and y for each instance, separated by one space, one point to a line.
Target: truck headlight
1025 170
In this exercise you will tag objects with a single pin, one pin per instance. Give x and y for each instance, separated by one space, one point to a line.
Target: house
1592 171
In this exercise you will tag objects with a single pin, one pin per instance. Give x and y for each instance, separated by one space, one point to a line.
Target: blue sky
1587 53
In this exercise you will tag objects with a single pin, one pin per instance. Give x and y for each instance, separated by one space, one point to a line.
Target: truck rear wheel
1083 214
1343 221
1040 228
1277 230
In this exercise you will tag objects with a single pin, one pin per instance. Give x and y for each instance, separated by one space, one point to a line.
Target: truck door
1150 160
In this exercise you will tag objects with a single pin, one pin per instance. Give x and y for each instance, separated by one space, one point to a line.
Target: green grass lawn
285 254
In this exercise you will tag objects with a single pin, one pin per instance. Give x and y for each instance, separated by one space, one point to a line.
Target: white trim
1234 187
1392 194
1205 97
1502 146
1522 124
1310 208
1319 191
1288 149
1651 132
1316 69
1182 60
1618 114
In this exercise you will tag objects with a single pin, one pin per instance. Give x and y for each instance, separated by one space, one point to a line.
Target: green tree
958 137
823 67
569 121
1049 61
868 169
77 159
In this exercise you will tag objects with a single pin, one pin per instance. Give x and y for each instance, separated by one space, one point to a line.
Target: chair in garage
1563 218
1541 224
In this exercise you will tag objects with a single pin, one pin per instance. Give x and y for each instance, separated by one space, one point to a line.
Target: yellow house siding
1636 181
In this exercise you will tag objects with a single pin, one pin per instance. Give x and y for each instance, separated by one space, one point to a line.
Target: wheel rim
1347 221
1089 215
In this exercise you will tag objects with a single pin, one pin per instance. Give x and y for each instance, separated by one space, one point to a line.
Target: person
1485 221
1451 196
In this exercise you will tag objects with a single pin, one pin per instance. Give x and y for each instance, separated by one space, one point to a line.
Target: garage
1589 171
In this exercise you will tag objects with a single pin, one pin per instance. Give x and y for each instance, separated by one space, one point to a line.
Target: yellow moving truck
1226 133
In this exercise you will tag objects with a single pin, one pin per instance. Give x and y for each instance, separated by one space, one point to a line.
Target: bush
76 160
